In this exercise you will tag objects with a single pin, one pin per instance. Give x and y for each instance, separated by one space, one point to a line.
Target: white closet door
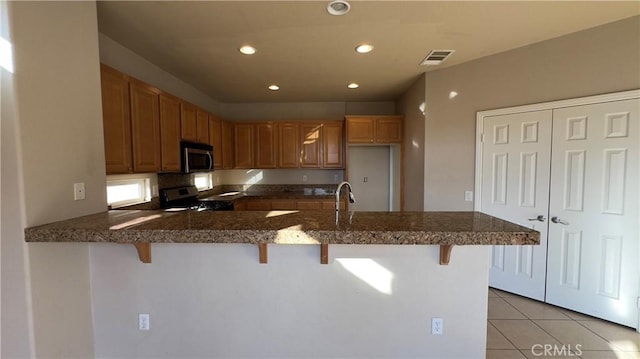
515 186
593 232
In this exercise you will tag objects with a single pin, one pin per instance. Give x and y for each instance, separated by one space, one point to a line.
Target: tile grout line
569 318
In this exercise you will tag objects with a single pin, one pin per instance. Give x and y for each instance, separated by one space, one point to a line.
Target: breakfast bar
143 227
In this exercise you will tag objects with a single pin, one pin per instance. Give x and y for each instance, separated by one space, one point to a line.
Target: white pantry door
516 152
593 232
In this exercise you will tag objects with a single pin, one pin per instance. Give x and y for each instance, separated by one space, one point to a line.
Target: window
123 192
203 181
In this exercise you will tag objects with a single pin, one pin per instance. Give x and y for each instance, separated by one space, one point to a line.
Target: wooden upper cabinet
332 145
389 129
215 140
288 145
360 129
202 126
188 122
244 149
145 127
266 145
116 120
374 129
228 145
310 144
169 133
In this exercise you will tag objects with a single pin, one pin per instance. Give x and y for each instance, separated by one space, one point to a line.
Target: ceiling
310 54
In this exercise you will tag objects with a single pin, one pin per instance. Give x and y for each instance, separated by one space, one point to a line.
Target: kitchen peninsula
286 227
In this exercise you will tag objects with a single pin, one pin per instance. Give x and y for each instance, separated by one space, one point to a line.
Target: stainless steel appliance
196 157
187 198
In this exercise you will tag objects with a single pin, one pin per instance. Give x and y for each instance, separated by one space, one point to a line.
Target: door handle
558 220
540 218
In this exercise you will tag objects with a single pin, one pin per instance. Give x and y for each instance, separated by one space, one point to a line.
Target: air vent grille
436 57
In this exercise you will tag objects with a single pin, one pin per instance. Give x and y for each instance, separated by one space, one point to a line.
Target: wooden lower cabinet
260 204
283 204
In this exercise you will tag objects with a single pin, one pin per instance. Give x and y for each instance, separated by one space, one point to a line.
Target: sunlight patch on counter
294 235
135 222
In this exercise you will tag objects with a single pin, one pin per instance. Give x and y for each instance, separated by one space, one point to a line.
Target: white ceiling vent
436 57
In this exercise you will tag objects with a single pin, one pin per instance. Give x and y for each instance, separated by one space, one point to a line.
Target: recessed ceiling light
274 87
364 48
248 50
338 7
353 85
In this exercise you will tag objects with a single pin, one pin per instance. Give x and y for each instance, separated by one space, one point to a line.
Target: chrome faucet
352 199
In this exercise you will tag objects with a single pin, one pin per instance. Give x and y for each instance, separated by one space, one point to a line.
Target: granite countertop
285 227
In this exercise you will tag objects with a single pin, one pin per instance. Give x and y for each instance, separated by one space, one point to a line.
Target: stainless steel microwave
196 157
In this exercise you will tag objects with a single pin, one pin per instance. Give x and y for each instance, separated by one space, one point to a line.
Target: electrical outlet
437 326
335 178
154 190
304 178
143 321
468 196
78 191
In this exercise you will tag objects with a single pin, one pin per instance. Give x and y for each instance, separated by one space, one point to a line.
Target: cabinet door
258 205
309 204
169 133
228 146
116 120
360 129
188 125
145 127
288 148
332 145
310 143
244 145
215 140
388 129
202 126
266 152
283 204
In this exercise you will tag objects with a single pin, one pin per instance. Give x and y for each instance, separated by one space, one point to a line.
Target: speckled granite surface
286 227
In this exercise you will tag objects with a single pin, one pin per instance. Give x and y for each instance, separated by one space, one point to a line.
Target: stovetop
187 198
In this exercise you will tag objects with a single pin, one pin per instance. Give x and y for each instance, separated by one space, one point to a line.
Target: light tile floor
519 328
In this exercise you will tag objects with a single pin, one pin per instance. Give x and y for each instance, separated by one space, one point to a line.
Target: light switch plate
143 322
78 191
468 196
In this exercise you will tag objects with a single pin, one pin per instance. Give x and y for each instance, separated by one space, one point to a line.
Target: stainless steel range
187 198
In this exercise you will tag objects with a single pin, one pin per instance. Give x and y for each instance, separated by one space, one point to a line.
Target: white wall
600 60
121 58
15 313
413 144
59 141
217 301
